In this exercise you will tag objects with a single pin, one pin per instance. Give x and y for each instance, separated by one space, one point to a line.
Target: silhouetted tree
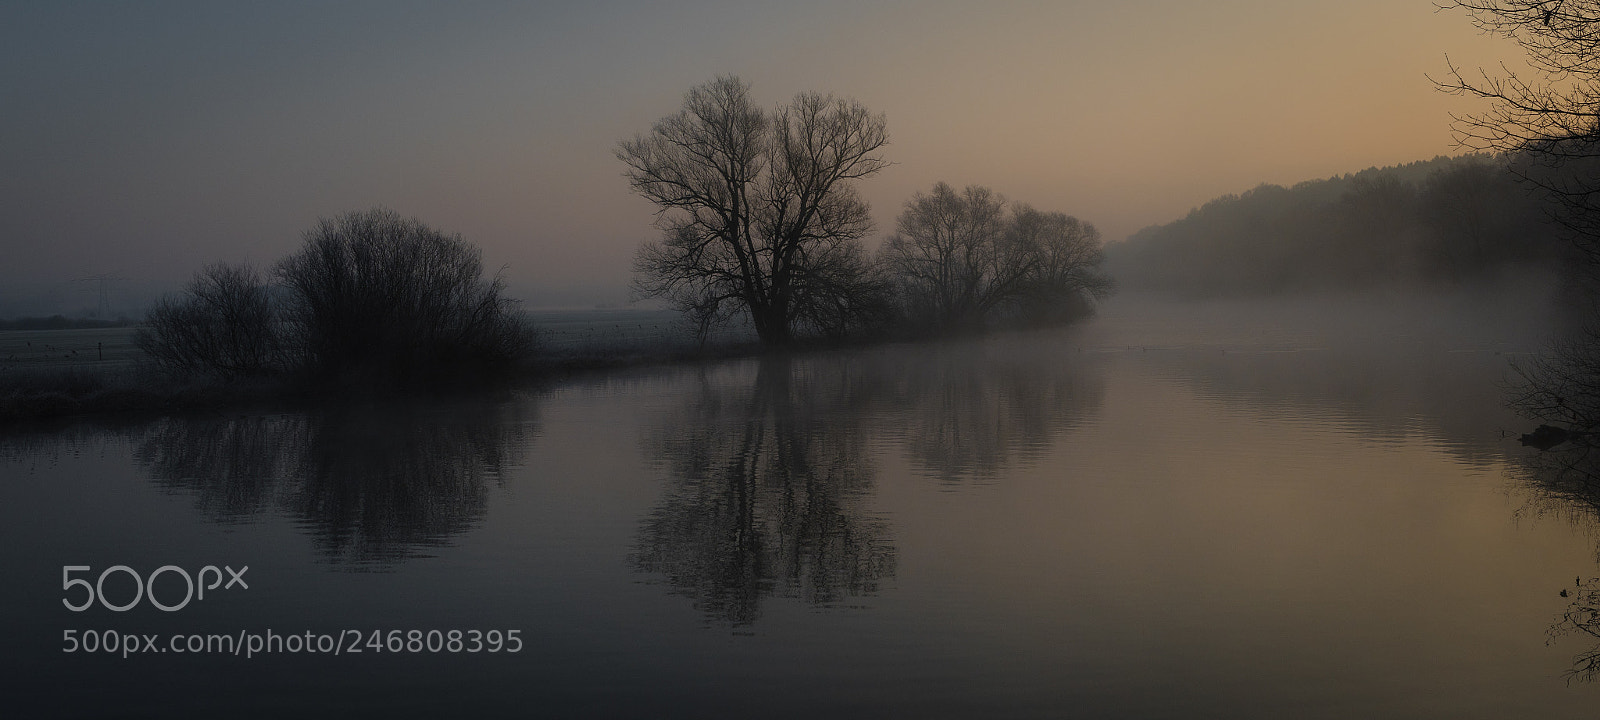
226 323
945 254
1063 256
1553 120
959 260
1552 123
378 299
758 210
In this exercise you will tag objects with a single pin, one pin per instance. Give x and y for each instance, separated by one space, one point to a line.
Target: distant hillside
1445 220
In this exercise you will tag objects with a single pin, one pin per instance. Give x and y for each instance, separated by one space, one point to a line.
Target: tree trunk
772 326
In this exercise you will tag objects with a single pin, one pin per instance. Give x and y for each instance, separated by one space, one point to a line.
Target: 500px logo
195 587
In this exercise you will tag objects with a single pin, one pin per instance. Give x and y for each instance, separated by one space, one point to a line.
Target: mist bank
1446 222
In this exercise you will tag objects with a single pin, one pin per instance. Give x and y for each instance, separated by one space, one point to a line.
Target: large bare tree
758 210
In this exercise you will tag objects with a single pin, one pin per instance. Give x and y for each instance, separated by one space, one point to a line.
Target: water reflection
1567 480
968 410
1582 617
770 465
767 480
372 484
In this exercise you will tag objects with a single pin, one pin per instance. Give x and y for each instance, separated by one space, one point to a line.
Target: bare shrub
225 323
376 299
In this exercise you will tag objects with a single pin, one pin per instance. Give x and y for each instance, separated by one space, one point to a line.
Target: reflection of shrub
225 323
382 299
370 483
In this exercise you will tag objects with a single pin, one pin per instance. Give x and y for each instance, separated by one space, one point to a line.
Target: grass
50 392
61 373
67 372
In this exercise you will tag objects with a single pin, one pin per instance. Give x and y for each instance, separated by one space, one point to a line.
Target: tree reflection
373 484
767 482
1566 480
1582 617
968 410
769 475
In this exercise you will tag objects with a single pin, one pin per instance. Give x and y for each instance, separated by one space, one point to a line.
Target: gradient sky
147 139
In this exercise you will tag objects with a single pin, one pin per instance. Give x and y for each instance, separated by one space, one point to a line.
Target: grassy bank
65 373
59 373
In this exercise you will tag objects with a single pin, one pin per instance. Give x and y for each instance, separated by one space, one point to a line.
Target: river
1306 509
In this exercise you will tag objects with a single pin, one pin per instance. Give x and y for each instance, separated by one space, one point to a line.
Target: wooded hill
1442 221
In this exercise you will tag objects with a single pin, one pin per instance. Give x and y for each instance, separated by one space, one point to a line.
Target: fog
144 142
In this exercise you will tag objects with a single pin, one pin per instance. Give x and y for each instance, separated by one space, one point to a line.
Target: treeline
1446 220
62 322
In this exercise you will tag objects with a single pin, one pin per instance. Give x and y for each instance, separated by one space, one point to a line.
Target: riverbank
51 374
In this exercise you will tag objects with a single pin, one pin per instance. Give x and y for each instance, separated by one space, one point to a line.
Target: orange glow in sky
148 142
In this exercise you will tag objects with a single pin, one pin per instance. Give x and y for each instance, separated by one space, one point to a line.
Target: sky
141 141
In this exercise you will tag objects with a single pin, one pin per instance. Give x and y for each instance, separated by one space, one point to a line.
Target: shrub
226 323
380 300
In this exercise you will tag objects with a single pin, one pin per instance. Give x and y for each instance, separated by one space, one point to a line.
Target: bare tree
959 260
1552 122
1064 277
758 210
226 323
1562 41
945 256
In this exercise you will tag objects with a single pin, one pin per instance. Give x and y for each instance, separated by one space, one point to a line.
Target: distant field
97 348
561 332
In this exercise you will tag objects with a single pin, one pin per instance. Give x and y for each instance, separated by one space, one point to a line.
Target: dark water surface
1218 511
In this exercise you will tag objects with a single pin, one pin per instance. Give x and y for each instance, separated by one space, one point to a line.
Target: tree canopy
959 259
758 210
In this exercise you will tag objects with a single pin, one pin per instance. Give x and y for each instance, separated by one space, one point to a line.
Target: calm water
1214 512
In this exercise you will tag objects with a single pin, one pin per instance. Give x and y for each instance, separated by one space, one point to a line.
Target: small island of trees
761 220
761 226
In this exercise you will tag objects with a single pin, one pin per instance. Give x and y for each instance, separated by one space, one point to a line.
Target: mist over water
1313 507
